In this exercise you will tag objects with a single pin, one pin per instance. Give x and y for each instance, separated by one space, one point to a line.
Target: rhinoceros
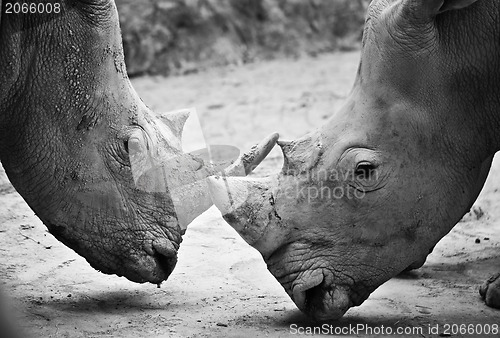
369 194
72 129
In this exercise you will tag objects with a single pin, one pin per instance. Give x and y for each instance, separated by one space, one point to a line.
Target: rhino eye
125 146
365 170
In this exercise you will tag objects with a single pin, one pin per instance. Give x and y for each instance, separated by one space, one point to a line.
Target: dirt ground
221 287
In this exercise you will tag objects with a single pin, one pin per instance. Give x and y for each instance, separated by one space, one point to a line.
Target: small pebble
222 324
478 241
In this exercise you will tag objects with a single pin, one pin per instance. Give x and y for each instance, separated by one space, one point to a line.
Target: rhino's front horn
247 204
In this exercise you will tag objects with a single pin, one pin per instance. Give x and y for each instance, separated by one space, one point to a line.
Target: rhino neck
465 80
55 59
64 91
451 87
465 125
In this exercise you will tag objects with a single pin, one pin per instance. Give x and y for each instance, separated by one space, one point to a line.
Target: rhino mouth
165 254
153 269
164 268
156 262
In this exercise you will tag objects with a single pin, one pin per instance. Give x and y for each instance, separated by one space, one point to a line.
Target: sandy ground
221 287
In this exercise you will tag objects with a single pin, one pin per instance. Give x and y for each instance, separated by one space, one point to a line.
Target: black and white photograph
249 168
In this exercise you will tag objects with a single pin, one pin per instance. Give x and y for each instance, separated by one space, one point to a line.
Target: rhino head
371 192
88 156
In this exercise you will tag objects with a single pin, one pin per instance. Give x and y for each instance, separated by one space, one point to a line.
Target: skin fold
369 194
74 136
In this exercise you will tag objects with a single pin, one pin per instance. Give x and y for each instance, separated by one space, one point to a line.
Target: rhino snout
321 292
323 303
247 204
164 252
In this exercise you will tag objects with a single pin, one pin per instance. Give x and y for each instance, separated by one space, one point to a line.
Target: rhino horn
157 142
175 121
286 149
247 204
250 160
170 126
300 155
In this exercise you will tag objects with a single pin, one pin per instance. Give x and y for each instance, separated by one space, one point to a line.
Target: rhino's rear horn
286 147
300 155
175 121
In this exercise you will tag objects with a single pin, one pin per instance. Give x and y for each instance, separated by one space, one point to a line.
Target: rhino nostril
314 297
323 302
166 263
164 252
304 293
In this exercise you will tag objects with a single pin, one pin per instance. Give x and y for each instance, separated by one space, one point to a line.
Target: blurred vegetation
182 36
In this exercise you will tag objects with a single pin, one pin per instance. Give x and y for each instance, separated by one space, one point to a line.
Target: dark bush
178 36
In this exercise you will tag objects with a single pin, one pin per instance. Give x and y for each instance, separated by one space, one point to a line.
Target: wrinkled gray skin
371 192
68 115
